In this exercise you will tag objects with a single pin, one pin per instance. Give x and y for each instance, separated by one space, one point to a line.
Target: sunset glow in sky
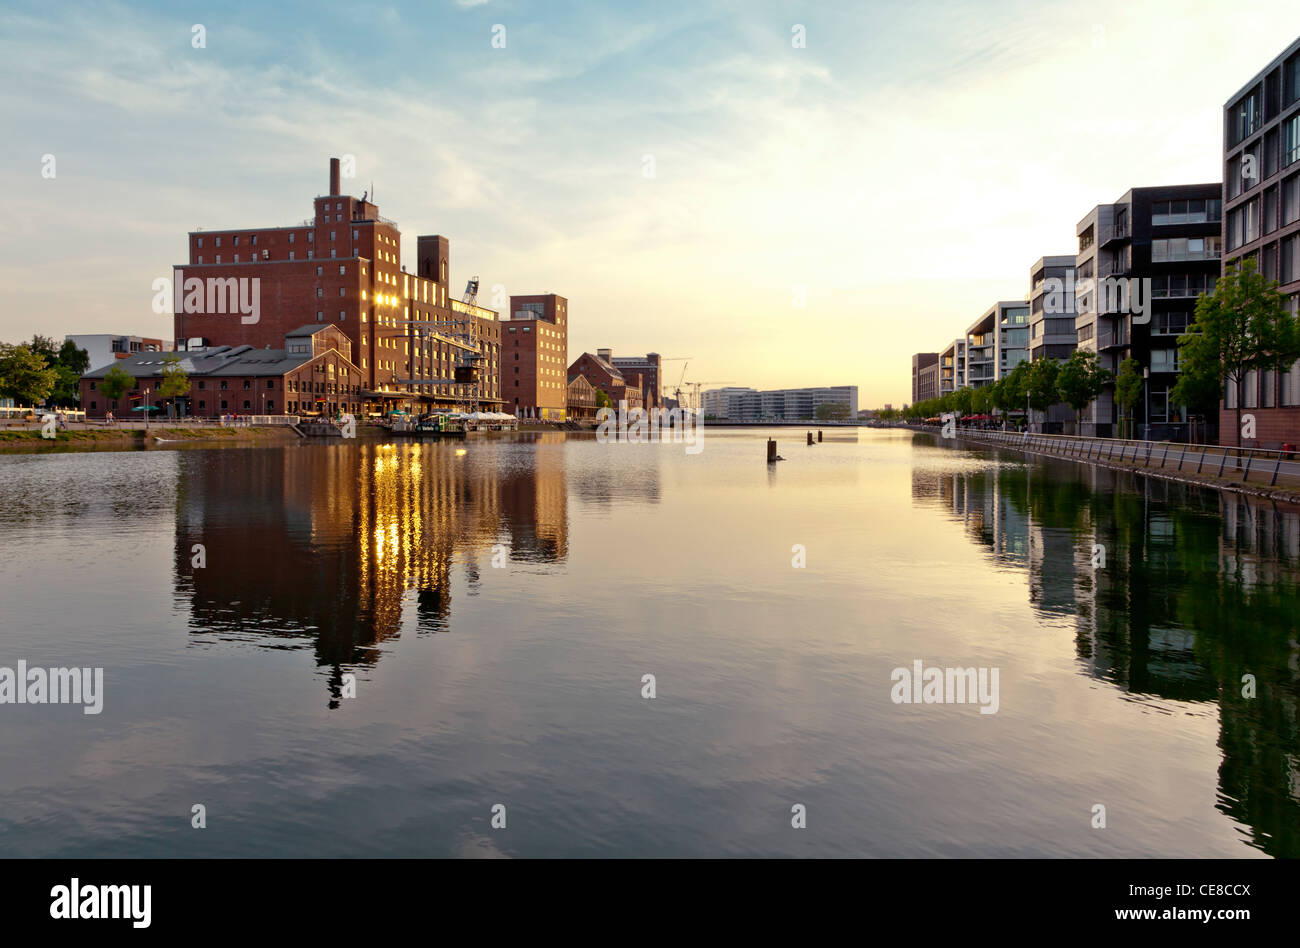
901 172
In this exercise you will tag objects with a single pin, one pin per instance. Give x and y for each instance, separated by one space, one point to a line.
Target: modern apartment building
1051 307
997 342
922 361
104 348
535 357
800 404
735 403
785 404
952 367
1261 219
343 266
1141 263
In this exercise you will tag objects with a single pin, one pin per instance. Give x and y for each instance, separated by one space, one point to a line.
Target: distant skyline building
785 404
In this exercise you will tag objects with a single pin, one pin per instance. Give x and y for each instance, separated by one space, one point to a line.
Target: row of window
1191 211
1165 250
1266 390
252 239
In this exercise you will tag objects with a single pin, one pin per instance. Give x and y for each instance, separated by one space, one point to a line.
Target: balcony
1112 339
1115 234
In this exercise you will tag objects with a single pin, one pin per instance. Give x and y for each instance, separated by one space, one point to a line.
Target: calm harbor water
521 683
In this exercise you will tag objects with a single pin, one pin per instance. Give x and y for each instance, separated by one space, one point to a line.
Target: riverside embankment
1258 472
29 440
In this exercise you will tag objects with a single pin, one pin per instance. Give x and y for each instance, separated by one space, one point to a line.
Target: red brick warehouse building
605 377
310 373
344 268
534 357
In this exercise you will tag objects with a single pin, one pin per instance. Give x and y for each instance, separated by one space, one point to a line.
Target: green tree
602 400
1128 391
175 380
69 363
116 383
1242 328
1198 389
981 400
1009 394
24 375
964 400
1040 384
1080 380
831 411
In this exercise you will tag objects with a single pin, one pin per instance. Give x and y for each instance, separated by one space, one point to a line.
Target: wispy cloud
904 168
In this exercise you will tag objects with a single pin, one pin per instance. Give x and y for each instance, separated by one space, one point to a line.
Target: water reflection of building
1199 589
328 544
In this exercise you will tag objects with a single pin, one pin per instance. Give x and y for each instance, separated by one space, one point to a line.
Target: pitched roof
215 360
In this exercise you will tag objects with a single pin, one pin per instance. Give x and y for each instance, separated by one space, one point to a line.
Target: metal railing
1213 460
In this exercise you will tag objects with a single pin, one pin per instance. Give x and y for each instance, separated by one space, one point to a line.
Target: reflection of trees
329 545
1199 589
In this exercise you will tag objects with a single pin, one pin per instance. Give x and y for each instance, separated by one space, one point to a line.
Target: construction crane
459 330
677 392
696 393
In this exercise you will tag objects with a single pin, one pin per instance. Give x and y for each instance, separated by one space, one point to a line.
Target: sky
693 179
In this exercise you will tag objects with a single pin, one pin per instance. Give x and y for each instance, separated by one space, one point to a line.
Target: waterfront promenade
1256 471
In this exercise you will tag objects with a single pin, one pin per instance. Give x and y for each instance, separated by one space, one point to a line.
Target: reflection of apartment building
535 355
997 342
1171 237
952 367
925 376
1261 219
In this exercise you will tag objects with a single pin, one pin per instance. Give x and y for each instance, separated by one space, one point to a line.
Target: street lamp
146 409
1146 397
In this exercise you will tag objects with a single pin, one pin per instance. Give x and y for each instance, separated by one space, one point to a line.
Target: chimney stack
334 176
605 354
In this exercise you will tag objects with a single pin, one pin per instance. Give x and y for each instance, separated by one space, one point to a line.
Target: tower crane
696 393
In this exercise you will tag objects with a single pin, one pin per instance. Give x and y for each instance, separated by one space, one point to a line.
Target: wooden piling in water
819 437
810 441
771 450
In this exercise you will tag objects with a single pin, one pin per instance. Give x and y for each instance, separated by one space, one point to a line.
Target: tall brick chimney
334 176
